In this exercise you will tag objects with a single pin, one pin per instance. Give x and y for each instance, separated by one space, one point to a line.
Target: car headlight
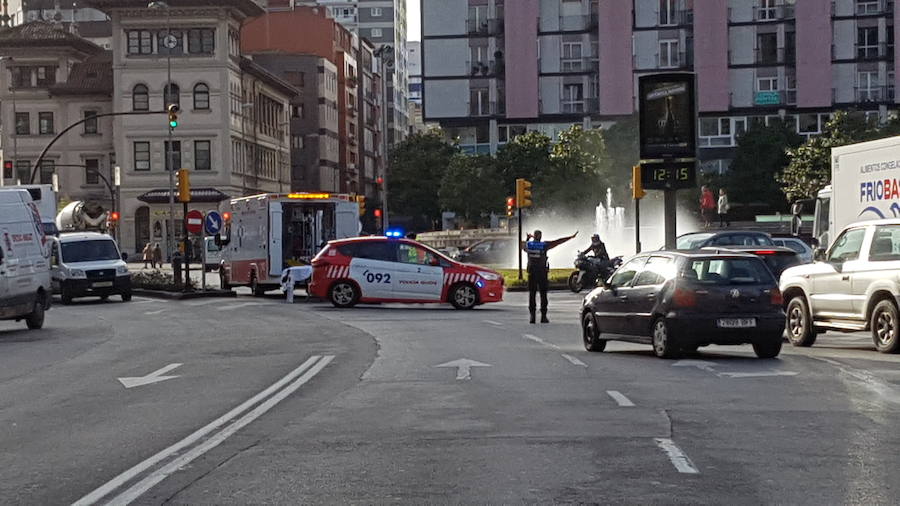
121 270
488 276
77 273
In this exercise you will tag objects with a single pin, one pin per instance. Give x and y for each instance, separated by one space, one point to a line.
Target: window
885 244
161 47
173 155
767 10
92 171
45 123
479 102
668 53
201 41
657 271
376 33
48 167
201 96
172 95
21 77
90 123
767 84
625 274
46 75
23 171
809 124
141 156
847 246
376 12
140 98
867 42
667 12
139 42
573 98
867 86
23 123
867 7
297 141
571 57
767 48
410 254
202 159
297 111
730 271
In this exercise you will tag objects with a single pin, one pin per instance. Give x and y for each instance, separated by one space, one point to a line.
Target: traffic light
378 212
226 217
510 206
184 185
113 220
7 169
361 200
523 193
637 187
173 115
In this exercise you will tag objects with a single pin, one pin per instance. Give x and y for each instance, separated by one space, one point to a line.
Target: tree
526 156
472 188
417 166
761 155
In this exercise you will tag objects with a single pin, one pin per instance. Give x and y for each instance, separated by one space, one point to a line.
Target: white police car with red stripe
385 269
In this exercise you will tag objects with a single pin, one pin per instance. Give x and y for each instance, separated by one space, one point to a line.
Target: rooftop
44 34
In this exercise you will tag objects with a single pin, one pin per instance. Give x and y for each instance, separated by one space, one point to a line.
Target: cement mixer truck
83 216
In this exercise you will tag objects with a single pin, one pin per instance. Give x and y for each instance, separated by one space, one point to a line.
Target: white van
44 199
89 264
213 254
24 266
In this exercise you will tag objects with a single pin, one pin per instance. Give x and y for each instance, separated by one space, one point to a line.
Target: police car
385 269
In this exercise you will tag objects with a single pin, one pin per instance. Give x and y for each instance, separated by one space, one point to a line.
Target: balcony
874 94
682 17
774 56
578 65
880 51
569 23
680 60
864 8
774 98
482 109
581 106
484 27
774 13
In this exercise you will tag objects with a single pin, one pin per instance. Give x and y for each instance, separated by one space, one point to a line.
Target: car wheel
886 327
590 334
800 328
769 348
664 343
464 296
257 290
573 283
126 296
36 319
343 294
65 295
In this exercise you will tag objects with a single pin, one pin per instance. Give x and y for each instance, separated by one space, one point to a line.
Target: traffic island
163 285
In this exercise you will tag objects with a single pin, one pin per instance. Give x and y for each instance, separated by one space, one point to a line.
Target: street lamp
167 90
15 138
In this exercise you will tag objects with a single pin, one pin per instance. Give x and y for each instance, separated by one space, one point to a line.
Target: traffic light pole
187 257
519 245
637 226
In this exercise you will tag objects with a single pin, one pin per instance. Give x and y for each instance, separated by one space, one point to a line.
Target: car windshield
89 251
211 246
728 271
692 241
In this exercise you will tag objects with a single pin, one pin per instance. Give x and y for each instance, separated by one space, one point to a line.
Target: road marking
760 374
620 399
573 360
158 311
126 476
153 377
243 304
703 365
202 302
880 387
540 341
492 322
463 367
681 461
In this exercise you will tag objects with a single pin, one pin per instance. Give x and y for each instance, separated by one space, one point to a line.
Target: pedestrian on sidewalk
147 254
156 258
707 205
539 269
724 207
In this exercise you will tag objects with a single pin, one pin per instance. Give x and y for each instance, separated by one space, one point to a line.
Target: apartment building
89 23
798 60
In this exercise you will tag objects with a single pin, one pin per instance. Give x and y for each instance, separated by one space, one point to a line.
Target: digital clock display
668 176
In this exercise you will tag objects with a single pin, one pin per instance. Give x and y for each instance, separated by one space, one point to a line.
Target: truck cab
89 264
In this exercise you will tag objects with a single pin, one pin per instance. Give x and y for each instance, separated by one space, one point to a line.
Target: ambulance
395 269
264 234
24 260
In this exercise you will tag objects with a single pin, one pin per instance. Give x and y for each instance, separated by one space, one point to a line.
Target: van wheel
664 343
800 328
590 334
36 319
463 296
343 294
886 327
65 295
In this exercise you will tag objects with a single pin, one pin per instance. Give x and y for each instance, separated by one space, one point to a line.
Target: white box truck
865 185
267 233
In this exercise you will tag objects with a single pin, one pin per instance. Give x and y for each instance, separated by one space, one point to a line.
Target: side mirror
124 256
819 255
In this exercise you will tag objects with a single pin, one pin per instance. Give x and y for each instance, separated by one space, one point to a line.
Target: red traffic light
114 216
378 213
379 180
511 201
8 165
226 216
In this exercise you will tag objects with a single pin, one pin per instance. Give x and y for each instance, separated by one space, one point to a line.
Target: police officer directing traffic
538 269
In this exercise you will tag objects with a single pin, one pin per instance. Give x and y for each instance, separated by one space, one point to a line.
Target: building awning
202 195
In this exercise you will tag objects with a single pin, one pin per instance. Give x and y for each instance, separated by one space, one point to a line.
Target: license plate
102 284
736 323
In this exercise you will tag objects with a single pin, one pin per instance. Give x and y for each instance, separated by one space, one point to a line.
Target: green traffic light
173 124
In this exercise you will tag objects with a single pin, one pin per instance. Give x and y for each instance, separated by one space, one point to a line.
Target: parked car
490 251
697 240
854 286
680 301
24 268
383 269
84 264
804 251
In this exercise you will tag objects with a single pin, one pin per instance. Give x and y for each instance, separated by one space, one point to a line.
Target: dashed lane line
573 360
158 311
540 341
620 399
492 322
678 458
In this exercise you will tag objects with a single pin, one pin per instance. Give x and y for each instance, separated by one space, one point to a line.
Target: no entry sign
194 221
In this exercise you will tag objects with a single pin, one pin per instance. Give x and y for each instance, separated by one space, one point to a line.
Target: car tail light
684 298
777 297
765 252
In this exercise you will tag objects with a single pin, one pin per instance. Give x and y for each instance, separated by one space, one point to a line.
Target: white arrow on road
153 377
699 364
463 367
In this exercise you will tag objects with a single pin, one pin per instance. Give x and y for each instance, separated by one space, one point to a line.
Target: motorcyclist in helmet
600 261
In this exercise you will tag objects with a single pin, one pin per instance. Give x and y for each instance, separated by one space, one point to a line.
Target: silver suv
854 286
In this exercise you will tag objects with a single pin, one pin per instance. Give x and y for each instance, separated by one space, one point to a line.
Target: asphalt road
374 418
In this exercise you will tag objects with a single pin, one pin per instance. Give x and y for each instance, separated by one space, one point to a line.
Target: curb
162 294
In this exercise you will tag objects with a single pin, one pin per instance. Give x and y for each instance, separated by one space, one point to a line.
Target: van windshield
89 251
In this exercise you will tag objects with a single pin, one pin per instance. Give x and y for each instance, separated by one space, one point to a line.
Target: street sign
212 223
194 221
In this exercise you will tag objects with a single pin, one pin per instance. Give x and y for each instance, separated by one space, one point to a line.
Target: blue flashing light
394 232
479 283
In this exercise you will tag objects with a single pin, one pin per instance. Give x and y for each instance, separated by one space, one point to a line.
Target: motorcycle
581 276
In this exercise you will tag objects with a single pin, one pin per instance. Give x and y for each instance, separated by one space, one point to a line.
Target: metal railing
680 17
680 60
773 13
877 51
575 65
877 94
487 108
866 8
486 68
492 26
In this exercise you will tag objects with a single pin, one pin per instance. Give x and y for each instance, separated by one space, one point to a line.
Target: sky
413 25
